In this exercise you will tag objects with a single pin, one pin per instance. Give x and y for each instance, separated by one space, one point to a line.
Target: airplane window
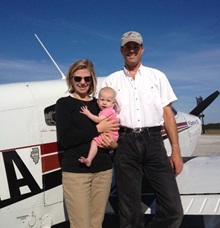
49 114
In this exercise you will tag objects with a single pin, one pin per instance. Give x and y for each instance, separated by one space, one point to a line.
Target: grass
212 131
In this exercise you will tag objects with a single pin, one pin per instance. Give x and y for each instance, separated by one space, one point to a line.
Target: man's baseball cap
131 36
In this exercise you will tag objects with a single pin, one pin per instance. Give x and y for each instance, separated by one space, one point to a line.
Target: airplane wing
199 186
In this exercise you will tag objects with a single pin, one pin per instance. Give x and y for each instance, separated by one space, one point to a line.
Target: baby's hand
84 110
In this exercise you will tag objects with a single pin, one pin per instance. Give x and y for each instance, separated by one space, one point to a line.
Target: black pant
139 153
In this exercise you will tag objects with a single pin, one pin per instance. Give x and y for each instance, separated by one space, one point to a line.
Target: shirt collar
127 72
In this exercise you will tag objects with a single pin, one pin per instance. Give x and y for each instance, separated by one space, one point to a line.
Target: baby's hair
108 89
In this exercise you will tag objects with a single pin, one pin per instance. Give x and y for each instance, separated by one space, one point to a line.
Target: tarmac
208 145
188 221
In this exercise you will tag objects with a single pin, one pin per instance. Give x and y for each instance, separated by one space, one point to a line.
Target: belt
140 129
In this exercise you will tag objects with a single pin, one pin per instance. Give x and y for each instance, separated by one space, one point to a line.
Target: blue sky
181 38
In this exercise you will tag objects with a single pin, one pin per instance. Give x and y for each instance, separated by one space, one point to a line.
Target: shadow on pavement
111 221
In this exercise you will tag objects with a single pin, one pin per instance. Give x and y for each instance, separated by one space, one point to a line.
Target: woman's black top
75 132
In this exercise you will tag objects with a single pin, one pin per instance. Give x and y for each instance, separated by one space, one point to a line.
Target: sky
181 38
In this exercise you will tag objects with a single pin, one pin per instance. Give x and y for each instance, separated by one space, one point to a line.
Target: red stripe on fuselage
50 163
50 157
49 148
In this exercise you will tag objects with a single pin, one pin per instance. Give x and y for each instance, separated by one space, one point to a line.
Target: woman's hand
107 125
108 142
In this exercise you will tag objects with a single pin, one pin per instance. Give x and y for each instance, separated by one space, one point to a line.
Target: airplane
30 157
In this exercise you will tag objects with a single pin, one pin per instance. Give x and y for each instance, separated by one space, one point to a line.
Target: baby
106 102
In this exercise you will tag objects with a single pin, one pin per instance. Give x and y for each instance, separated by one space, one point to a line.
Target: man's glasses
78 78
135 47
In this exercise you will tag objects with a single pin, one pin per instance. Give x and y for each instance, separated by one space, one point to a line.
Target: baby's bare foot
85 161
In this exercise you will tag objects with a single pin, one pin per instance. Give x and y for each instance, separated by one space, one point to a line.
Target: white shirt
141 100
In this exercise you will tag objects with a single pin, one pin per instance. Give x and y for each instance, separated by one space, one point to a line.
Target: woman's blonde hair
82 64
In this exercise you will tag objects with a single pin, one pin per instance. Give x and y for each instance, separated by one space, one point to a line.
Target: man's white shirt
141 100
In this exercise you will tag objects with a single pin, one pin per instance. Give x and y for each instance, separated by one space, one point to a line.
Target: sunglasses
78 78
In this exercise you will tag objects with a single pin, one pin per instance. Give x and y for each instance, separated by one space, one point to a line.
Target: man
144 97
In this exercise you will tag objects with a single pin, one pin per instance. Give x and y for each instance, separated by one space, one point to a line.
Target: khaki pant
86 196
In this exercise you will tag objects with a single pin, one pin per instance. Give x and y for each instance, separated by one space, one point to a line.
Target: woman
86 189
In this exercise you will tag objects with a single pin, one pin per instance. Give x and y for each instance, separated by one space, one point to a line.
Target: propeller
204 104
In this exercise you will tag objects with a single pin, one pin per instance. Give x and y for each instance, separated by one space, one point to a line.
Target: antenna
63 76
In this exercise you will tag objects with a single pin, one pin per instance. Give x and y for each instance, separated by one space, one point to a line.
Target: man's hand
108 125
176 160
108 142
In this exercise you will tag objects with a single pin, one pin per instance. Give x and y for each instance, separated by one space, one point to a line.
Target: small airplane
30 181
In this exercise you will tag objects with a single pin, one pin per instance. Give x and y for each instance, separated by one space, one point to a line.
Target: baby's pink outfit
107 112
